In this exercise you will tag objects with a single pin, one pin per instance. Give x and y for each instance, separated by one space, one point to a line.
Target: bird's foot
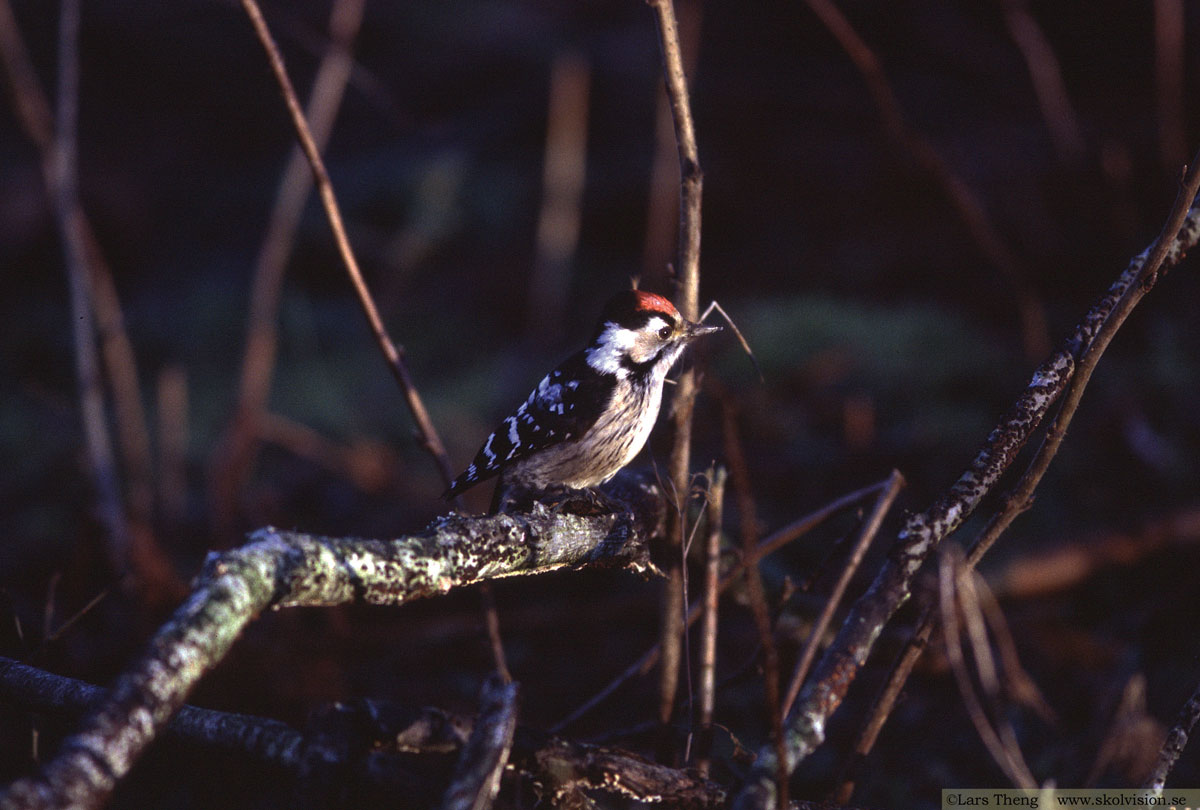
583 502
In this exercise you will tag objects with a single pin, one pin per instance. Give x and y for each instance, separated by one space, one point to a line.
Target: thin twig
951 573
1177 740
748 523
1046 75
688 301
866 535
708 627
235 456
154 572
393 354
1063 376
662 209
1169 68
564 170
966 203
777 540
65 194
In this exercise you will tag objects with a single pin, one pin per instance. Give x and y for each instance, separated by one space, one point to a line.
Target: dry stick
235 456
662 206
951 600
172 443
691 186
748 523
1060 376
750 559
1169 64
288 569
1019 686
968 206
564 171
65 196
565 769
392 354
153 569
1066 565
1173 746
708 628
1181 232
1046 75
866 535
969 585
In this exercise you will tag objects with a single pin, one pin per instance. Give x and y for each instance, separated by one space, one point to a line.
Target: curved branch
285 569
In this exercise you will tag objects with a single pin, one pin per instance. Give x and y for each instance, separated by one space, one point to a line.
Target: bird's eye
665 332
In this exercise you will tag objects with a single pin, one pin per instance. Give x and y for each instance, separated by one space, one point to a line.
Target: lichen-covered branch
1172 747
280 569
805 724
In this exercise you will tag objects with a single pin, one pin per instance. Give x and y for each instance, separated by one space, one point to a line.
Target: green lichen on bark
280 569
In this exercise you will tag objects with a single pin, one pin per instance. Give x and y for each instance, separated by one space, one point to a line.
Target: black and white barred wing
565 404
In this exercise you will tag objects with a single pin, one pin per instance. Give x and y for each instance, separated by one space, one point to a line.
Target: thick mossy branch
283 569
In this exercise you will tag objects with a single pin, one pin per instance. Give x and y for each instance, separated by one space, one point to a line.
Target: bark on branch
284 569
365 753
1060 376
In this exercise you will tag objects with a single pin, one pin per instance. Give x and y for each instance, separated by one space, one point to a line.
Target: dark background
888 338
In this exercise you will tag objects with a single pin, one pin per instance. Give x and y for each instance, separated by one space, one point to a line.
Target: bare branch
708 632
236 453
955 596
1064 375
777 540
1046 75
65 195
883 504
688 301
381 731
962 197
392 354
1177 740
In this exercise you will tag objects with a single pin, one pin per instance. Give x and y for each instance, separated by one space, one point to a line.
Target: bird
593 413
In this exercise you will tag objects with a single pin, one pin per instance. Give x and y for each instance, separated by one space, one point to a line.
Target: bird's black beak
691 331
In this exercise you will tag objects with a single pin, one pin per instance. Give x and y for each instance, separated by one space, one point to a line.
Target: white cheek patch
615 343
